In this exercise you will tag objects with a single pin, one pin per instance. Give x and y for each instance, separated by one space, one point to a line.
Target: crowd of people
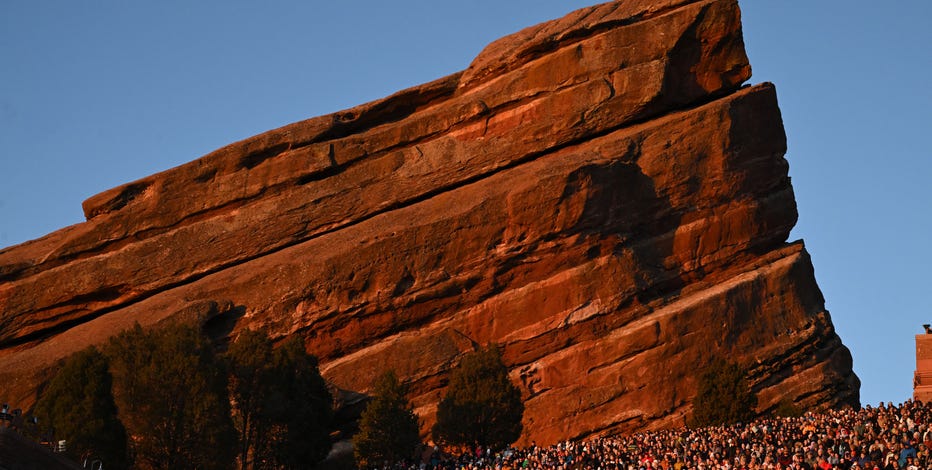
883 437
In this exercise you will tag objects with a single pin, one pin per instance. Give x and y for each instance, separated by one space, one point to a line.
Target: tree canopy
723 396
172 394
481 407
78 407
388 428
251 373
303 408
282 408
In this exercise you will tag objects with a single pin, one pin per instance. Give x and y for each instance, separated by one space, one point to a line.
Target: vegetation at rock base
77 406
481 407
173 394
171 391
282 407
723 396
388 428
787 409
303 411
250 362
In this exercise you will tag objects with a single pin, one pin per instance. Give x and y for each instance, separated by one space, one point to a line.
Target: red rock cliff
599 194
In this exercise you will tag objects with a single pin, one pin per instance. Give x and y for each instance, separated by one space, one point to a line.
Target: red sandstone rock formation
599 194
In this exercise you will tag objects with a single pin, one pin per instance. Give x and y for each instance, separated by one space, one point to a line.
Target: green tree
172 394
787 409
388 428
250 360
481 407
78 406
298 409
723 396
282 407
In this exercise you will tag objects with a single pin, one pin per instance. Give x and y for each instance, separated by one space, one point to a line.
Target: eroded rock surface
599 194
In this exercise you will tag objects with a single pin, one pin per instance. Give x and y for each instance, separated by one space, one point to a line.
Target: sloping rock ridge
599 194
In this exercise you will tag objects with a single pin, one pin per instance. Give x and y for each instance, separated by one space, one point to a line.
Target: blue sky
96 94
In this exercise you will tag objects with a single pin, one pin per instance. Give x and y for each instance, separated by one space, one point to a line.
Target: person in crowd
887 437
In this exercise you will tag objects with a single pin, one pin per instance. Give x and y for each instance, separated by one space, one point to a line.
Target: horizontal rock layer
598 194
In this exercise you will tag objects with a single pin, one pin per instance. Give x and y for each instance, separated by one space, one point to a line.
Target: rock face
598 194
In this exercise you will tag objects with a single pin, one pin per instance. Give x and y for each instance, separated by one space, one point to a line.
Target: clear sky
96 94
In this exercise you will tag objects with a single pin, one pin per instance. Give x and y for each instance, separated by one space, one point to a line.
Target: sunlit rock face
600 195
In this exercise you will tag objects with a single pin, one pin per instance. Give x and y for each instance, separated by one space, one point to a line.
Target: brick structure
922 380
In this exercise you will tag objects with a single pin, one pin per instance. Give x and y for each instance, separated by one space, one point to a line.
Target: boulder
601 195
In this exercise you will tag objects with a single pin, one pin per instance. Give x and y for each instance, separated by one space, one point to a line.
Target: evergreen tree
172 394
388 428
298 409
250 360
282 407
481 407
78 407
723 396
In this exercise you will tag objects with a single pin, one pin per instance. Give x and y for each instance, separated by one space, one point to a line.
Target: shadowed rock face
598 194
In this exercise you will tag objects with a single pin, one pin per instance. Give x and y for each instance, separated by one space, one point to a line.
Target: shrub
723 396
787 409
